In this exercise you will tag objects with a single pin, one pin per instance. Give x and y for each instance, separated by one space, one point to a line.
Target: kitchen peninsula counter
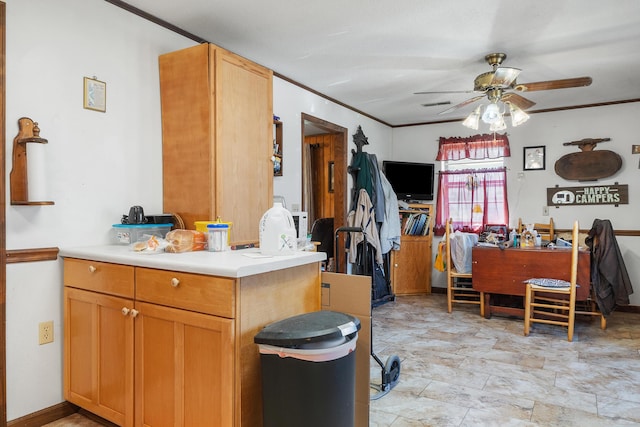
181 325
236 264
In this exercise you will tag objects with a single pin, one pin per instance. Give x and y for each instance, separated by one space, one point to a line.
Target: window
472 192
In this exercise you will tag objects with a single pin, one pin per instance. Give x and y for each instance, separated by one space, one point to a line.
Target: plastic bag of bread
181 240
149 244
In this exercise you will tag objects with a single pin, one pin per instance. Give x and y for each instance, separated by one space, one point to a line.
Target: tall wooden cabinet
217 138
411 265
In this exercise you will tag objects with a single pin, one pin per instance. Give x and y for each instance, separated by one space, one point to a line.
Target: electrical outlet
545 211
45 335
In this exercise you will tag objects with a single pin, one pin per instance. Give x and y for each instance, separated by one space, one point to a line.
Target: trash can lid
308 328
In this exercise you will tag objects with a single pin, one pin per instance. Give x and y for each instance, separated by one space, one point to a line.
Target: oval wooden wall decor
588 165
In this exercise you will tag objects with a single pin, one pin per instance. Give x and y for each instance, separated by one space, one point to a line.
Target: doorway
324 171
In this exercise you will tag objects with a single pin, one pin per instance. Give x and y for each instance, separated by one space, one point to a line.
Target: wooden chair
459 289
546 231
552 301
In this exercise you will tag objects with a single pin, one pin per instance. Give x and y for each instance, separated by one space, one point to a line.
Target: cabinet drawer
204 294
113 279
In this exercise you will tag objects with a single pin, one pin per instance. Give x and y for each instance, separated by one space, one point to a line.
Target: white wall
94 167
289 102
528 195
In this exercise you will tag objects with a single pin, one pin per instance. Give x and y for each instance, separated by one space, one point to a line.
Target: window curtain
486 146
472 198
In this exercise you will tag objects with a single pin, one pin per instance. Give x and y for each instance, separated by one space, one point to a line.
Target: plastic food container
125 234
202 226
218 237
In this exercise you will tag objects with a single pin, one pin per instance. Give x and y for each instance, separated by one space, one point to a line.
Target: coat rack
28 131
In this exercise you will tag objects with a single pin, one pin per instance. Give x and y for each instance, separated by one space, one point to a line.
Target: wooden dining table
499 272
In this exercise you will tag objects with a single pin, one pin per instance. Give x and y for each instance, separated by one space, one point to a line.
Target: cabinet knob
92 269
175 282
125 311
395 265
134 312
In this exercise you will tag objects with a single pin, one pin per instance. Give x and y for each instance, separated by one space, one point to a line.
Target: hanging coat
609 276
364 216
390 228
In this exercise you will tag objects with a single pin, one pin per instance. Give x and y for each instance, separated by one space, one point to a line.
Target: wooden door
244 130
98 357
184 368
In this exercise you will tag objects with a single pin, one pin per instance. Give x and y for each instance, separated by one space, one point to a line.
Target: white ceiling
372 55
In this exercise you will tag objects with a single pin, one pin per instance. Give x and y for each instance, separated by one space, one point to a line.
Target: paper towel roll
37 178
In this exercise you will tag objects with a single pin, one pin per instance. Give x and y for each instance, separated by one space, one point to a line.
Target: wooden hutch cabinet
217 138
411 265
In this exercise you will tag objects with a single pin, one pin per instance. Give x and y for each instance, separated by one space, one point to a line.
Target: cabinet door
98 357
244 144
411 266
184 368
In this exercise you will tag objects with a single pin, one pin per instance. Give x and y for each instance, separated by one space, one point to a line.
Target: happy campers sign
588 195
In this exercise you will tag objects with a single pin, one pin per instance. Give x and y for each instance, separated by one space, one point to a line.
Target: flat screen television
409 180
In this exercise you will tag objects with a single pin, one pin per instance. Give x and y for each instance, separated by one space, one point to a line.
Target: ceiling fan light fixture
491 114
473 120
518 116
498 125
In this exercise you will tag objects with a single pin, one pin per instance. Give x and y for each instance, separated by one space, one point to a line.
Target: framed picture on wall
95 95
534 158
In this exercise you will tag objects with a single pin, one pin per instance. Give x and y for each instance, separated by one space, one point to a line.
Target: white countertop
238 263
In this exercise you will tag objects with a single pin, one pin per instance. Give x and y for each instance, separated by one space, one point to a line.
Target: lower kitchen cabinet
98 357
149 347
183 375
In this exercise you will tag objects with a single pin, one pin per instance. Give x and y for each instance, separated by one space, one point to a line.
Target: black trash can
308 370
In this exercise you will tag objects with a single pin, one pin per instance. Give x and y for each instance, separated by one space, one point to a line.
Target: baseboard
96 418
45 416
628 308
54 413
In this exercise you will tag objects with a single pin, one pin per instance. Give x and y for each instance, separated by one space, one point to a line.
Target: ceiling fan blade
462 104
433 104
443 91
554 84
504 76
517 100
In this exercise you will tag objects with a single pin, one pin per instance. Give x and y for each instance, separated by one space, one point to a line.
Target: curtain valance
477 147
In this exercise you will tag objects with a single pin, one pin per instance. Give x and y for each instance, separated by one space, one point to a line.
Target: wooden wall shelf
277 148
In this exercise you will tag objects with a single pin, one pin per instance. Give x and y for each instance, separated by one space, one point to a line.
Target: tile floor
460 369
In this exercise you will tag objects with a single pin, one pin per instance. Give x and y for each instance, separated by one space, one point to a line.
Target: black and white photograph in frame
534 158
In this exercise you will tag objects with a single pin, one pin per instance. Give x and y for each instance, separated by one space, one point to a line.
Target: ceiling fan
499 84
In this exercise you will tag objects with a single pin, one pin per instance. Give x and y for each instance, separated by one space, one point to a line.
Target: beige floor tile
462 370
